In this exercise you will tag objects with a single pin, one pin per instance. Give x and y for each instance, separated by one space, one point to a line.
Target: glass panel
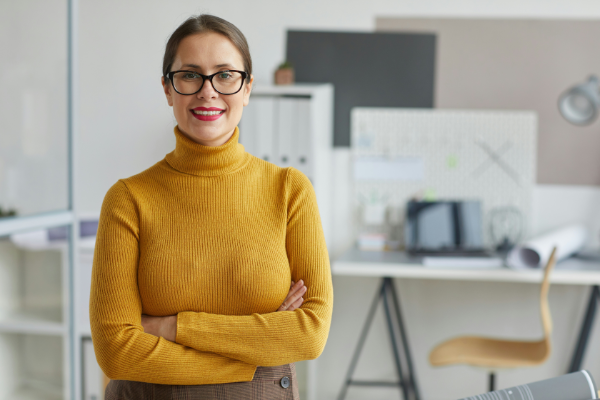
33 106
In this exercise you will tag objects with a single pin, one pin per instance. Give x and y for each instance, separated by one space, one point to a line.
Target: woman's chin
209 137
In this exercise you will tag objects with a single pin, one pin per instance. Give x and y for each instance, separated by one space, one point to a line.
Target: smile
207 114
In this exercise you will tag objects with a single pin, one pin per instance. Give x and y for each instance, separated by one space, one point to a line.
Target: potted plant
284 75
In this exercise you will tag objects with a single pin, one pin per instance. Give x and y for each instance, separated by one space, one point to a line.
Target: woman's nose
207 91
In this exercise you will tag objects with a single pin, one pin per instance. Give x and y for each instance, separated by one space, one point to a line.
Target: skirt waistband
272 383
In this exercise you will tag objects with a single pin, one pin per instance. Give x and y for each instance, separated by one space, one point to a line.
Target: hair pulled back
206 23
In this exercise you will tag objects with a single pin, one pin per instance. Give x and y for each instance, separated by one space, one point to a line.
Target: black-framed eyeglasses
191 82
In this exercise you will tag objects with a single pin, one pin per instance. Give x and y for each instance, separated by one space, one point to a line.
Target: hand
165 327
294 298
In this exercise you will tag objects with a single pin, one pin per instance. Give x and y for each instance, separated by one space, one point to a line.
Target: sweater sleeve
122 348
280 337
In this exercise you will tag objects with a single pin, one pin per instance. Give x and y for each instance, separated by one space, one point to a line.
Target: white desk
394 264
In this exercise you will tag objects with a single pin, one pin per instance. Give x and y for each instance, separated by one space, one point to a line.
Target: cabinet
292 126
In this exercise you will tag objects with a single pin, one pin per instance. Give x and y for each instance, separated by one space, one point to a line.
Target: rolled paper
535 252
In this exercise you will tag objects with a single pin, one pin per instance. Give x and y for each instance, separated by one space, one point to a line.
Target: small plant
285 65
7 212
284 74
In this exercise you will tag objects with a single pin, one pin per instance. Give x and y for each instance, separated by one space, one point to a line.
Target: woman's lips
207 113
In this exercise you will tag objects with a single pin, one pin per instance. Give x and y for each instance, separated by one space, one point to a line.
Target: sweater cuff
184 321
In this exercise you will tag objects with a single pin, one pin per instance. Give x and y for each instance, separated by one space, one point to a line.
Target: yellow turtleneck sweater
213 235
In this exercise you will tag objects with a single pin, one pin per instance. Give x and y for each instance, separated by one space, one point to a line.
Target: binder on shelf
286 122
302 139
248 128
265 129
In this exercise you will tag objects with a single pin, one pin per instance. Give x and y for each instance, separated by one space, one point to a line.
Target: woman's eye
224 75
191 76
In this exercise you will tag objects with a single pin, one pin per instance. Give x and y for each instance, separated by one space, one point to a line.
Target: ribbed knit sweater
213 235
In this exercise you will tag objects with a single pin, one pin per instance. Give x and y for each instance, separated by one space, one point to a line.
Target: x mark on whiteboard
495 158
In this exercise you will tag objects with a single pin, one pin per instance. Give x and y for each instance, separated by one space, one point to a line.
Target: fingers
295 287
296 292
297 304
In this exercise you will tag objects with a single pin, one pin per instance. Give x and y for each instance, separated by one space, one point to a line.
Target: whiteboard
464 155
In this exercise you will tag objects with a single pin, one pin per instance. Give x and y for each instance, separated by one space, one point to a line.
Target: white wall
126 127
125 122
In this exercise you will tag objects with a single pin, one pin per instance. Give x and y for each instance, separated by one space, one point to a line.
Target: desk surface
396 264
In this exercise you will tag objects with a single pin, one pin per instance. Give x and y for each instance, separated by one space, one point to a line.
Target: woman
191 294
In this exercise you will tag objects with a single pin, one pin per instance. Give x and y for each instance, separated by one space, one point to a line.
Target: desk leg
403 335
586 327
360 344
393 315
388 316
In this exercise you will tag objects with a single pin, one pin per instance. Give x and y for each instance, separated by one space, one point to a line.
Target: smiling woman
196 102
211 276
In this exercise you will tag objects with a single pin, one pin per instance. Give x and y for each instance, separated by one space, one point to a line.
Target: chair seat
490 353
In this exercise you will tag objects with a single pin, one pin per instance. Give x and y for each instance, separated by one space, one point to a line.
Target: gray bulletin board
366 69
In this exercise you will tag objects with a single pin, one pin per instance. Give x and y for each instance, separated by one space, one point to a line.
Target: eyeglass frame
170 75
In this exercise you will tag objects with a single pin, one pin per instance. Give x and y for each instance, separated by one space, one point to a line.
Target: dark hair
206 23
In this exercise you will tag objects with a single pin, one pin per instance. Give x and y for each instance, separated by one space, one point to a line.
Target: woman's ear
167 90
248 90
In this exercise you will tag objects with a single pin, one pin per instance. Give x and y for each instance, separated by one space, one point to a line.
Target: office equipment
488 156
536 251
579 104
575 386
492 354
353 62
443 226
292 126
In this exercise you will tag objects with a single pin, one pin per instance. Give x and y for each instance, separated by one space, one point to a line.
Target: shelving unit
35 335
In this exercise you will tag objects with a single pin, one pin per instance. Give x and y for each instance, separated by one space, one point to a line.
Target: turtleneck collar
193 158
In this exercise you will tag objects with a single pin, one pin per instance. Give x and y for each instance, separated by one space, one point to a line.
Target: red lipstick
207 113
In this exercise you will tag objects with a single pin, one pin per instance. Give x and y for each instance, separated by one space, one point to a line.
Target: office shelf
33 323
10 225
34 394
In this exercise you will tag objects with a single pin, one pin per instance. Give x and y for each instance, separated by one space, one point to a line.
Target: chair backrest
544 307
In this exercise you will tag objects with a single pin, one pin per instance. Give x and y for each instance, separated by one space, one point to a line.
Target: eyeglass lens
226 82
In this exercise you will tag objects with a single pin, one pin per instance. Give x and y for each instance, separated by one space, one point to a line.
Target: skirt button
285 382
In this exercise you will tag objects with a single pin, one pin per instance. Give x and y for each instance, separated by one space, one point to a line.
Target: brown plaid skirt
270 383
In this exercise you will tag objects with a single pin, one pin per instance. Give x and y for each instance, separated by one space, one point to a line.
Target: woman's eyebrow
198 67
191 66
223 65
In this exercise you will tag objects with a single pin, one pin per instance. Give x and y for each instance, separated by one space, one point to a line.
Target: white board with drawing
400 154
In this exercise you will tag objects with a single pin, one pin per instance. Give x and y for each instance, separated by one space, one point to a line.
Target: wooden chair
493 354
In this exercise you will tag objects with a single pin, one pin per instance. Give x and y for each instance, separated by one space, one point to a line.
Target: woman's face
207 53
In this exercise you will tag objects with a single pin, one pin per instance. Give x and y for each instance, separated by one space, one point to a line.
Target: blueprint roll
575 386
535 252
